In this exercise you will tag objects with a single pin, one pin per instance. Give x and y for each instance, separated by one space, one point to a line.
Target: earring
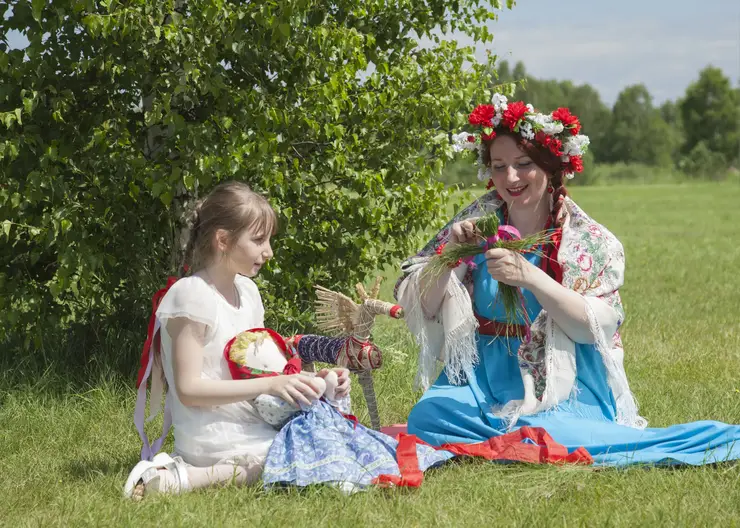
550 189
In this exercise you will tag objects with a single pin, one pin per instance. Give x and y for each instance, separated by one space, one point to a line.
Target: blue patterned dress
448 413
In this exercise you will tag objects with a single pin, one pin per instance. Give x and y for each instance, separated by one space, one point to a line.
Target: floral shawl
592 262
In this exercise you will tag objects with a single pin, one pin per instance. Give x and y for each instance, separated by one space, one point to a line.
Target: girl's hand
510 267
343 386
464 232
295 389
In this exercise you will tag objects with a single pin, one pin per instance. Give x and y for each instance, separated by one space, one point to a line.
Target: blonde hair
231 206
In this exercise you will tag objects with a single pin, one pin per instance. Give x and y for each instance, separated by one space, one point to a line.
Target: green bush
119 113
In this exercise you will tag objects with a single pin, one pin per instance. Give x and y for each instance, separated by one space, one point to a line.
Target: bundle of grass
492 235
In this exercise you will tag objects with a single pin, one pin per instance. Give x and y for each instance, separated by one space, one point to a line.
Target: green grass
65 452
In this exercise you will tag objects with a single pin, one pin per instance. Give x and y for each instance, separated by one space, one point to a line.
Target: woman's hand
295 389
464 232
343 379
510 267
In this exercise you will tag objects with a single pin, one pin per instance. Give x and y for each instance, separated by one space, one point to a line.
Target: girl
219 436
220 433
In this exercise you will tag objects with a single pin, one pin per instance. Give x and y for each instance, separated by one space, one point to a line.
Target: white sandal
145 479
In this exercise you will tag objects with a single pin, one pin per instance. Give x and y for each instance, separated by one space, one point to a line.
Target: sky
611 44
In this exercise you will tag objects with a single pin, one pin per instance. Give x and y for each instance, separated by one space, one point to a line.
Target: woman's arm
188 338
565 306
433 289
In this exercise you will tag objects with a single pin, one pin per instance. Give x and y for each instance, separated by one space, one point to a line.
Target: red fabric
549 263
497 328
352 418
394 311
394 430
151 337
510 447
408 465
294 366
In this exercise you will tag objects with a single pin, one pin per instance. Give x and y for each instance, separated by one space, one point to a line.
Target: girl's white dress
231 433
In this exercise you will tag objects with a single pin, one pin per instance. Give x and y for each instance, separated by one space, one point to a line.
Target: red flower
489 137
513 113
556 146
576 164
543 139
569 120
482 115
471 139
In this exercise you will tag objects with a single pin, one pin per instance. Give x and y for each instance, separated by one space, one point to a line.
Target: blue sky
612 44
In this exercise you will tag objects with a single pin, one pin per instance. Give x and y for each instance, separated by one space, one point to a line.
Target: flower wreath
558 132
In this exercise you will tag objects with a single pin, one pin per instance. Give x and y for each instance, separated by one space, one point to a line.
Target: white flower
500 102
552 129
540 119
497 119
525 129
530 109
460 142
576 145
565 158
545 122
484 173
569 175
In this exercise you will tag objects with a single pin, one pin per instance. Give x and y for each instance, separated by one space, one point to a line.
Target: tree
710 112
120 113
637 132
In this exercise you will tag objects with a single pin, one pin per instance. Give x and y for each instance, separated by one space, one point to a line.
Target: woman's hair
543 158
231 206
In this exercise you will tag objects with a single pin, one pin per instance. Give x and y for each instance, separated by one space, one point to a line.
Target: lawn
66 452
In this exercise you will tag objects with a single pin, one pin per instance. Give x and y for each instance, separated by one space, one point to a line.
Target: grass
66 451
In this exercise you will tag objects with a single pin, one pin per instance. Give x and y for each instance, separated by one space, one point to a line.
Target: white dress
231 433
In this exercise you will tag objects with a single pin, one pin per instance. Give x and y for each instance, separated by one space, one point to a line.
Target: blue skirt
321 446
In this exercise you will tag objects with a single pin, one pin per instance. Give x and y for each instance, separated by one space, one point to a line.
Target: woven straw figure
337 314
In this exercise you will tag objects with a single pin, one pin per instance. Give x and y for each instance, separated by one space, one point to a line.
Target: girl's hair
543 158
231 206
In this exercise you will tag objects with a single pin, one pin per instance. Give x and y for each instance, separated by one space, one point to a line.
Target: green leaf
37 6
284 29
6 228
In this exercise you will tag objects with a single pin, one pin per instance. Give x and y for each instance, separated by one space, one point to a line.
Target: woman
563 372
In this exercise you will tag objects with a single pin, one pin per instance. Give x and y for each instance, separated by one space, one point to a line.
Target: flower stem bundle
491 235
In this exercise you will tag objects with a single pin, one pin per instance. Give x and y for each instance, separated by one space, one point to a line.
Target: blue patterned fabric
319 348
322 446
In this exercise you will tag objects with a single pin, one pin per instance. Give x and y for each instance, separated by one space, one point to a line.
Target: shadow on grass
72 360
93 469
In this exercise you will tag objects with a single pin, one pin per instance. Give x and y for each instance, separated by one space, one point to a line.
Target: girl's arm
188 338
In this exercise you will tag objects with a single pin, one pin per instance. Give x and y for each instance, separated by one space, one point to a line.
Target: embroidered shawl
592 262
